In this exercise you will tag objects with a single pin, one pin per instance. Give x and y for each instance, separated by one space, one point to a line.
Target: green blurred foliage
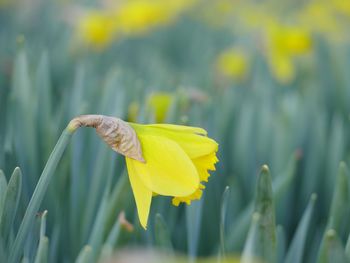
299 126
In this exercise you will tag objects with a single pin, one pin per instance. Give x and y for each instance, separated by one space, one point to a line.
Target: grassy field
268 80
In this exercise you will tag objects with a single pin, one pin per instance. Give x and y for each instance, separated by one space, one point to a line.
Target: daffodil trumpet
162 159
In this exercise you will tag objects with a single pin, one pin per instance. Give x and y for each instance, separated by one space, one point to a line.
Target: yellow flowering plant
98 28
284 44
158 105
162 159
232 63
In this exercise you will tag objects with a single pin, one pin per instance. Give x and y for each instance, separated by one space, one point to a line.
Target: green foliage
301 130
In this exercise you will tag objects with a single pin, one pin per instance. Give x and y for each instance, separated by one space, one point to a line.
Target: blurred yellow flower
133 111
177 159
318 16
96 28
290 40
341 6
232 63
99 28
282 68
140 16
284 43
159 104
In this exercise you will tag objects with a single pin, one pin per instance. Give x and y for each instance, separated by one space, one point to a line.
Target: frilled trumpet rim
118 134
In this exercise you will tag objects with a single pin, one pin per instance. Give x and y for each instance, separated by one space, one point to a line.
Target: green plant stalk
39 193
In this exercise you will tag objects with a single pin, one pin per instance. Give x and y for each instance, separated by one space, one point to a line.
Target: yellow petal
190 139
168 170
207 161
178 128
187 199
143 195
203 164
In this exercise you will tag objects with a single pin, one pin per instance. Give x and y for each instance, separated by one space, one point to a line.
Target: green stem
38 195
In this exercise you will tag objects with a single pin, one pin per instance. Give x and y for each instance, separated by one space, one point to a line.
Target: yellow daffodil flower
162 159
177 160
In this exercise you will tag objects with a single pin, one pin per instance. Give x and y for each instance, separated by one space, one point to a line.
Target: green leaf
107 248
43 223
340 200
38 196
162 235
253 247
44 111
264 205
347 248
42 252
11 201
281 244
193 223
23 115
296 250
261 241
118 199
3 186
96 187
96 237
240 229
224 205
85 255
339 206
334 250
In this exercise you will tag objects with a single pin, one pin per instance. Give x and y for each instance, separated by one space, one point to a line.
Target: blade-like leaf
193 223
252 251
264 205
334 250
42 252
11 201
296 250
3 186
224 205
96 237
347 248
281 244
85 255
340 199
162 235
261 241
237 234
339 206
38 195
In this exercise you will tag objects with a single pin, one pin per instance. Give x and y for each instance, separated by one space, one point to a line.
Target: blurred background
269 80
